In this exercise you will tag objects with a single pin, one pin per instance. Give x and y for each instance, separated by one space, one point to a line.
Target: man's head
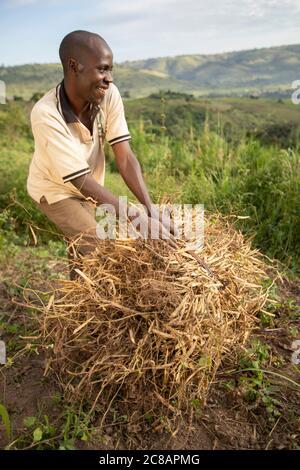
87 61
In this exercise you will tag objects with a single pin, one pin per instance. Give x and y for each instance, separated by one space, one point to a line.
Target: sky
31 30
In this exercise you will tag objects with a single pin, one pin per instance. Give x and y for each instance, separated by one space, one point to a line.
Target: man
70 124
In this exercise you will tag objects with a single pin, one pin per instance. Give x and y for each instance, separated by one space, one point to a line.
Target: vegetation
237 156
191 155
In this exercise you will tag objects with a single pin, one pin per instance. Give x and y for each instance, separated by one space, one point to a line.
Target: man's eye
105 70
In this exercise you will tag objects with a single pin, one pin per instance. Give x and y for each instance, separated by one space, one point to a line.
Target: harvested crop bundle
152 324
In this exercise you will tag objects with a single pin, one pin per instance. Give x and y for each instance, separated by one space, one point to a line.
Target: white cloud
121 17
191 15
151 28
18 3
21 3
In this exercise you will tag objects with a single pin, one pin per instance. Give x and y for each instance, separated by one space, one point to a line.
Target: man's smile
100 91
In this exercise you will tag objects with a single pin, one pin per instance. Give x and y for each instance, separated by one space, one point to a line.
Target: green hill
261 70
257 68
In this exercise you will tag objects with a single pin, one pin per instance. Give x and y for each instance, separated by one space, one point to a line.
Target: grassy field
234 156
198 161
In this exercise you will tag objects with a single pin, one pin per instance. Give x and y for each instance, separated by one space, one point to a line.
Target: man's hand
151 227
164 216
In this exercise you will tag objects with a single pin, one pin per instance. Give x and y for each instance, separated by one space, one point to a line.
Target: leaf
6 420
205 361
33 235
195 403
29 421
37 434
51 430
69 444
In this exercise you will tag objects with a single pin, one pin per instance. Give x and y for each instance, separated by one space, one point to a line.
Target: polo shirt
65 148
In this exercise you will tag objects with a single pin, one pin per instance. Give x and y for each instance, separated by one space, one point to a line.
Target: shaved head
87 61
80 45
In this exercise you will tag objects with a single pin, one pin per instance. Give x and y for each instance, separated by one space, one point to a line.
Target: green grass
5 419
248 179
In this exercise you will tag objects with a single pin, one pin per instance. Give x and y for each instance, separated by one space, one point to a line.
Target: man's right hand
152 228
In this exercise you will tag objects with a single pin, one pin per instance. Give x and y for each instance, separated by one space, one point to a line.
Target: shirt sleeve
64 156
117 129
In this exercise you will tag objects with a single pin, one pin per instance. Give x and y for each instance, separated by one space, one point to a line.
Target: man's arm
130 170
89 187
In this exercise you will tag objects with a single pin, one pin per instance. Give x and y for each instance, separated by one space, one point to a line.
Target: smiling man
70 124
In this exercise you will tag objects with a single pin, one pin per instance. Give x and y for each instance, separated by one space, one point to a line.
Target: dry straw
151 325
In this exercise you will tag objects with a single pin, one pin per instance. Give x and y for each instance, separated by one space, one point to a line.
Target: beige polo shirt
65 148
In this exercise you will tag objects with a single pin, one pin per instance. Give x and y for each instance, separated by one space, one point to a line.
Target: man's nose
108 77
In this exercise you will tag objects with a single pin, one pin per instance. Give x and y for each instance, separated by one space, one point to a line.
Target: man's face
95 75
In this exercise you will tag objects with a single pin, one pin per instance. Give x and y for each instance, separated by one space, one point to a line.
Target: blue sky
31 30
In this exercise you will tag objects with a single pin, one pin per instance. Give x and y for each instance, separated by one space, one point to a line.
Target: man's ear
75 66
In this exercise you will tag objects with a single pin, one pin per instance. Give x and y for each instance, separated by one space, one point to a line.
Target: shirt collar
65 109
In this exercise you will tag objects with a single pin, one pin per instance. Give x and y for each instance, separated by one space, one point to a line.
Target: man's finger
168 237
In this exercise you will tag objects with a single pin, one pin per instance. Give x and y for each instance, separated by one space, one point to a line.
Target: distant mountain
256 68
260 70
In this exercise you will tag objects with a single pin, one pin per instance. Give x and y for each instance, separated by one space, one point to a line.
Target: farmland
239 157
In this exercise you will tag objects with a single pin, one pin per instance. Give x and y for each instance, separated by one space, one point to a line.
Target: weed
254 385
42 434
293 331
5 419
76 426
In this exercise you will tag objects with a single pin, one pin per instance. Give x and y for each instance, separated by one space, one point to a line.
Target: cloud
19 3
194 15
151 28
200 17
157 28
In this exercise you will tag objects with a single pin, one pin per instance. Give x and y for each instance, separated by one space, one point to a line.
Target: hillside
258 68
262 70
272 121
